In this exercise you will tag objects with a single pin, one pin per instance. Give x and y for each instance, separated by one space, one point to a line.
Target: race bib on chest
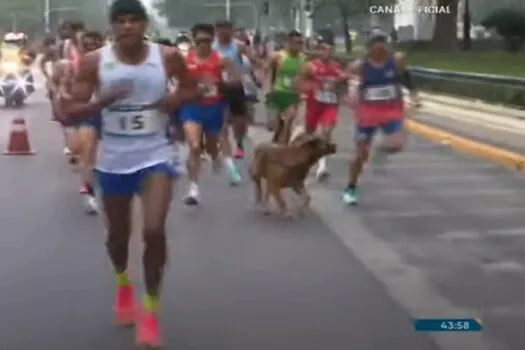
327 93
287 82
381 93
133 122
208 90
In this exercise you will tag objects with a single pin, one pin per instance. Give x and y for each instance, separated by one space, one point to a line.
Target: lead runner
134 154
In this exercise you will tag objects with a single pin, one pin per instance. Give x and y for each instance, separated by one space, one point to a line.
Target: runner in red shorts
321 79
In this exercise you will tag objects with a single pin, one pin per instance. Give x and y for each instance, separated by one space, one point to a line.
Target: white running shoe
91 204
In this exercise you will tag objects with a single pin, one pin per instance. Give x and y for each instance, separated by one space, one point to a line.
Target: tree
510 24
445 35
467 42
346 9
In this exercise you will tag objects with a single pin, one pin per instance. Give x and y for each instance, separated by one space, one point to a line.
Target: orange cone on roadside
18 144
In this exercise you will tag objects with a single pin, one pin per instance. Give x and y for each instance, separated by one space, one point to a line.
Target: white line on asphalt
503 266
493 212
515 231
444 192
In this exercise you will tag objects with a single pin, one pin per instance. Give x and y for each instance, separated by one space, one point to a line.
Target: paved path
439 237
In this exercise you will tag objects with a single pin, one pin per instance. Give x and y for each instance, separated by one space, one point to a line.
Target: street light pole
228 7
46 16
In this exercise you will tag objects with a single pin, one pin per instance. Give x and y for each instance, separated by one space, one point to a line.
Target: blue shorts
365 134
210 117
94 122
175 117
129 184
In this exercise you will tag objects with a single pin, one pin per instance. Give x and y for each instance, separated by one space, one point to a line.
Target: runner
251 85
134 152
321 80
69 56
234 95
87 134
205 117
380 106
287 66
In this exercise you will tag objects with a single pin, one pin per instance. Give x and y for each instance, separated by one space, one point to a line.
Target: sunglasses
203 40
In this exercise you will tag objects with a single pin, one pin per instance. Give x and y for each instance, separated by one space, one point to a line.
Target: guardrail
502 90
496 89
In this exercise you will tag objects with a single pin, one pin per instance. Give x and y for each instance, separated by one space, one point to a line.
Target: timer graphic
448 325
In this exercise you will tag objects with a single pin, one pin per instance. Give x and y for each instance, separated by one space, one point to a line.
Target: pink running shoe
124 306
148 331
239 154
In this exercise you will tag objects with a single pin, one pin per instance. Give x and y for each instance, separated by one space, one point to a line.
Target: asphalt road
439 236
444 233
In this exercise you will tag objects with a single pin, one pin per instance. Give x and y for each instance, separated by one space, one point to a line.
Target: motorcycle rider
16 58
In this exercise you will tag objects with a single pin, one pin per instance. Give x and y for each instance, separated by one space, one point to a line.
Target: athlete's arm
80 105
246 51
406 78
271 68
228 67
48 57
305 78
187 88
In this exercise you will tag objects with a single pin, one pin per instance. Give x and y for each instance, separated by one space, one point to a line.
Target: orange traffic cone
18 139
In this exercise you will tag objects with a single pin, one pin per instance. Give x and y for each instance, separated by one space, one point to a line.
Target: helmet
11 37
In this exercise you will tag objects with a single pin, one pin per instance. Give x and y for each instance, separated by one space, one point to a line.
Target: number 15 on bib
141 123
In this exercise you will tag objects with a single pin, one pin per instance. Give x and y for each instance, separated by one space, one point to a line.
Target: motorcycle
16 83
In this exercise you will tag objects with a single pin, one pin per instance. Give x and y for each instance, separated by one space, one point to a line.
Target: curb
466 146
510 160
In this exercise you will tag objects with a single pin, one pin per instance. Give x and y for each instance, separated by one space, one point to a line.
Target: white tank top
134 135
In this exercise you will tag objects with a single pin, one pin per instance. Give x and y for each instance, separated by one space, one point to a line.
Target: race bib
208 90
382 93
326 94
287 82
133 122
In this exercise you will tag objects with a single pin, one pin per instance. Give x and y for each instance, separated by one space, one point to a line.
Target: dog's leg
258 190
281 203
304 196
265 205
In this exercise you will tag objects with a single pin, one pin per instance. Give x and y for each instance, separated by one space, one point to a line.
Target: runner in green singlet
286 66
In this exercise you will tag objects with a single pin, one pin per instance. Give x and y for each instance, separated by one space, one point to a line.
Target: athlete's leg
327 120
395 137
72 143
238 118
117 191
87 135
156 194
227 150
364 136
191 118
212 128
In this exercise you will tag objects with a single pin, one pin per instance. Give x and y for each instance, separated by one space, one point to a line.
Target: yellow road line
497 155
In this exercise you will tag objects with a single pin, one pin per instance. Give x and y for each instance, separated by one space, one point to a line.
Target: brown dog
286 166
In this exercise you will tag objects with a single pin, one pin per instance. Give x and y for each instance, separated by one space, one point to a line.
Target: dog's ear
306 140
